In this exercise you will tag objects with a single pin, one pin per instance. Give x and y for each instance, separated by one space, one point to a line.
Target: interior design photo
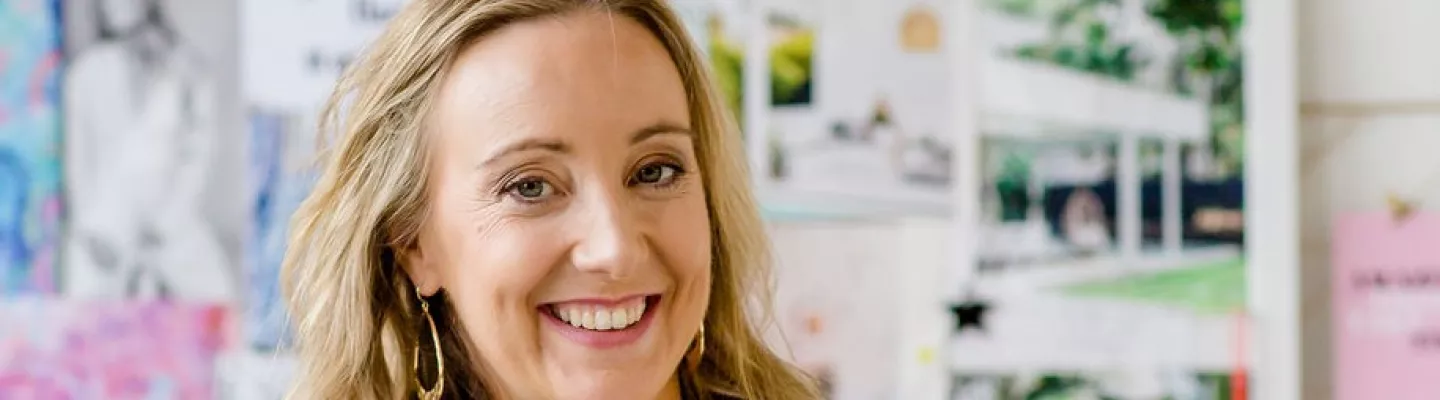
1111 191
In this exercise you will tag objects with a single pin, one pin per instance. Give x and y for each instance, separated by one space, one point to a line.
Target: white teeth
573 318
587 320
619 319
600 318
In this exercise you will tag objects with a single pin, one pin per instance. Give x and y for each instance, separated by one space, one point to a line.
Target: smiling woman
532 199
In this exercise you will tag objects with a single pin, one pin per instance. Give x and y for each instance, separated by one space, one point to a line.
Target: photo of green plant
792 69
727 62
792 48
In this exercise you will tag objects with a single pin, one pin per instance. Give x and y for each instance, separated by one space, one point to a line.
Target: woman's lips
602 323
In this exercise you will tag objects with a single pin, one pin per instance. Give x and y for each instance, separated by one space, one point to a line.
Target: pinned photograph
152 205
1111 198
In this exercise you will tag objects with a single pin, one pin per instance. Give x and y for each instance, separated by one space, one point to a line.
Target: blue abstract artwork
281 177
30 198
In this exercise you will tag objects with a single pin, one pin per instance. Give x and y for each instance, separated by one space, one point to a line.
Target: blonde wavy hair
356 319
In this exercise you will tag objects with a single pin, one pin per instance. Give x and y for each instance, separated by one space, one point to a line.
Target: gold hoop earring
433 393
697 349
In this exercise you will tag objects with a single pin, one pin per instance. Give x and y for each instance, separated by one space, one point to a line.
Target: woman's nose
611 242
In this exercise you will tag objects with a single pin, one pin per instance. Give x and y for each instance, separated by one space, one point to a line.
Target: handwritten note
1386 281
295 50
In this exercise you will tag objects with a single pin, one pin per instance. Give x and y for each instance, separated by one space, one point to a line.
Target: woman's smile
602 323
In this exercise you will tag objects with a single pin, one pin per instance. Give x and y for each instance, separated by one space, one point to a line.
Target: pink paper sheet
1386 277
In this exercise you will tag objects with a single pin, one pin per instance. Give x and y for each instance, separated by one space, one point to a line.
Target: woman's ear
421 269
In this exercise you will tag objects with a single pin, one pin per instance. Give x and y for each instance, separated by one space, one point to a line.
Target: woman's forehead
587 71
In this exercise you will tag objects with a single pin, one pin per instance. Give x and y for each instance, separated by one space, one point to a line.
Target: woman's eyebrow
551 145
660 128
559 146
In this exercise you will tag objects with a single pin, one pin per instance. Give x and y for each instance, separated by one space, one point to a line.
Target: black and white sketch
153 202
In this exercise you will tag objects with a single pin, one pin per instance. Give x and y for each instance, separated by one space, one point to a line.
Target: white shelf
1026 98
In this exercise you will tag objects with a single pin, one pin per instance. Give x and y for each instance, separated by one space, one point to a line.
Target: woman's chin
613 384
625 363
575 351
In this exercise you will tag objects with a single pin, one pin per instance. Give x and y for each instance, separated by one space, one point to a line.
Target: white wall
842 272
872 282
1360 54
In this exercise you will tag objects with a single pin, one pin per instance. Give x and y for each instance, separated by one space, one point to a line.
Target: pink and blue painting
281 177
67 349
29 145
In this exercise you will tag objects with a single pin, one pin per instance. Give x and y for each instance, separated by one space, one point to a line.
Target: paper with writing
1386 280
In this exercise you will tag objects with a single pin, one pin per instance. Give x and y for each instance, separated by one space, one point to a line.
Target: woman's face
568 222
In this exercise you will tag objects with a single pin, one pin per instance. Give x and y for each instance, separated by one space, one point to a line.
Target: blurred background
969 199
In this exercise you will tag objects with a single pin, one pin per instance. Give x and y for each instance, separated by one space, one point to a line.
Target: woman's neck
672 389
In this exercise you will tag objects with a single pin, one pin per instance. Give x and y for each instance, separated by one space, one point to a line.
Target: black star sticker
970 314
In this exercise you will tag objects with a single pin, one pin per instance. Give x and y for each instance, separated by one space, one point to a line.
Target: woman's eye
656 174
531 189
